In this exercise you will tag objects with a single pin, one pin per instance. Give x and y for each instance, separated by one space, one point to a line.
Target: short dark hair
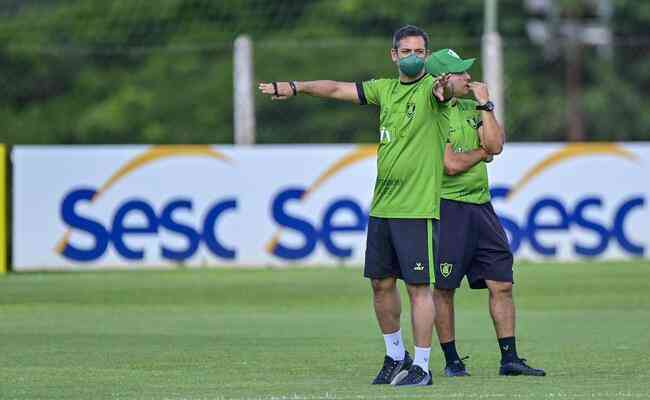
407 31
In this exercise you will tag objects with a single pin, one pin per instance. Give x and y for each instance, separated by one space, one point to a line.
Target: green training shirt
412 135
470 186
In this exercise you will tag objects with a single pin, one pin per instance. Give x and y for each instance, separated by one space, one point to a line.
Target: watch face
489 106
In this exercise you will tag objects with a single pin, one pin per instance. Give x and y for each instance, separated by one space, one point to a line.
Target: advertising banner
3 209
96 207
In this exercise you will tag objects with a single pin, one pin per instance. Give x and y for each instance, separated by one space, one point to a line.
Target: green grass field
308 334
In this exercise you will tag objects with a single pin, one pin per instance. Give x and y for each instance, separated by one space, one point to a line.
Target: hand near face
442 89
480 92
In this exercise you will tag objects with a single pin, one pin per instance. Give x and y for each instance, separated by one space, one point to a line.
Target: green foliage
134 71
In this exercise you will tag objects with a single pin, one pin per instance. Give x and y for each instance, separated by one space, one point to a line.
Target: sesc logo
323 231
152 223
586 221
311 234
575 215
529 229
587 212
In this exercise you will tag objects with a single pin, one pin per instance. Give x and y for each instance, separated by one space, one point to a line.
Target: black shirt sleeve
361 94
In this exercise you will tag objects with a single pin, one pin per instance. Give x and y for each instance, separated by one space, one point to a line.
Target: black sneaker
414 377
456 368
391 368
519 367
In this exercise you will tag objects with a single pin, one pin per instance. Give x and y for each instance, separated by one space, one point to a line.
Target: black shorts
473 244
403 248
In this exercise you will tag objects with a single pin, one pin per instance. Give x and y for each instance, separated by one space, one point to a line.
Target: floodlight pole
244 101
492 58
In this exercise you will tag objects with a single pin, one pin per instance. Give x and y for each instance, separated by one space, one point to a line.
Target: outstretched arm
346 91
491 133
456 163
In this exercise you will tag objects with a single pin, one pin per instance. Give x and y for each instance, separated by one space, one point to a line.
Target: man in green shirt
403 222
472 240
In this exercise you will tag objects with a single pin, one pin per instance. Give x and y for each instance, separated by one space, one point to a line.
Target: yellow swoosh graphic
155 153
360 154
569 152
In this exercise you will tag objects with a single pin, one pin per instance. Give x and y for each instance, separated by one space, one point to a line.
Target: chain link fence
137 71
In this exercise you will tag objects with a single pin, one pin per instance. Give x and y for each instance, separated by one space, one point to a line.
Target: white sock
422 357
395 345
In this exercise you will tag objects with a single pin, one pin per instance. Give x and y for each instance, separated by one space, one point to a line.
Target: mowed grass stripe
307 333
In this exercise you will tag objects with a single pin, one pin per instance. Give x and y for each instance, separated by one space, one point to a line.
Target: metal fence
162 72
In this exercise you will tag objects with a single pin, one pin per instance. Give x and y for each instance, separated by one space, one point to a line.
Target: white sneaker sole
401 375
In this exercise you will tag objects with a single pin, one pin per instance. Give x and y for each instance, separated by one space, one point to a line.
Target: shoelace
415 377
388 368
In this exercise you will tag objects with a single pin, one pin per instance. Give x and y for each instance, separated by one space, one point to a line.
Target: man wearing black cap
472 240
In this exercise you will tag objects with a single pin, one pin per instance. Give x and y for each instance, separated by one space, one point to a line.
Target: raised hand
279 91
442 89
480 92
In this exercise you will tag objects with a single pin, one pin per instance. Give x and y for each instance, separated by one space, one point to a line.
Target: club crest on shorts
445 269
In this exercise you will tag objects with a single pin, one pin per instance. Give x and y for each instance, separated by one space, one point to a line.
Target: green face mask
411 65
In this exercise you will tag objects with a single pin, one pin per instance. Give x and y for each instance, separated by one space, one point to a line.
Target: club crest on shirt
445 269
410 110
384 135
474 122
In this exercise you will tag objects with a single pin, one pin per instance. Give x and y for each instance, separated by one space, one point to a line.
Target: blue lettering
530 231
301 226
582 221
209 227
539 219
75 221
120 230
619 225
534 226
361 220
167 221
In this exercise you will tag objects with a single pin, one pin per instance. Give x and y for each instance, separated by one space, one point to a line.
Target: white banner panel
151 206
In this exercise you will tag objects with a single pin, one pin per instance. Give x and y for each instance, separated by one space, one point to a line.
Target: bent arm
456 163
491 133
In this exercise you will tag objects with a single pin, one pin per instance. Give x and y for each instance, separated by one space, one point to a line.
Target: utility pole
492 58
566 29
244 101
573 77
